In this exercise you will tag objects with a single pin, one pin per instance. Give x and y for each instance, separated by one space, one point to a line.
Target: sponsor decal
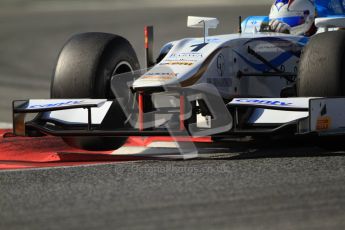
323 123
275 47
265 102
184 57
180 60
213 40
58 104
294 47
186 63
187 55
159 76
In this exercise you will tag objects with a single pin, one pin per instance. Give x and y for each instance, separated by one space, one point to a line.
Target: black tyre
84 69
322 65
322 74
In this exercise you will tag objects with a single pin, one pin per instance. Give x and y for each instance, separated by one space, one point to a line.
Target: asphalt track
297 188
259 187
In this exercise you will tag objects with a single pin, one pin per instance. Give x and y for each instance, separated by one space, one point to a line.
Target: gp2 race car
252 83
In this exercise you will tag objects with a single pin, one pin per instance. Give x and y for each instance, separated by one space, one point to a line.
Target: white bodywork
80 116
275 110
218 60
320 115
327 115
66 111
333 22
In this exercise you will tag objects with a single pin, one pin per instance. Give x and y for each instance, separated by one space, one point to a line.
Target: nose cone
156 77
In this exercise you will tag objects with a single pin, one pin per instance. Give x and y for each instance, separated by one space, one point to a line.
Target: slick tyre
322 66
84 69
322 74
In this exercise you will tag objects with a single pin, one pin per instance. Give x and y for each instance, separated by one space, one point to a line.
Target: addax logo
264 102
58 104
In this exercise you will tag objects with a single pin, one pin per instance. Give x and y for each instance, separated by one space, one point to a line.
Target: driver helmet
298 14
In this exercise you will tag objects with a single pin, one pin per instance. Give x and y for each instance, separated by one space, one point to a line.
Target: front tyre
322 66
84 69
322 74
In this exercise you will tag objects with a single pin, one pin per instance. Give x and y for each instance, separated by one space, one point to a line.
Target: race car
252 83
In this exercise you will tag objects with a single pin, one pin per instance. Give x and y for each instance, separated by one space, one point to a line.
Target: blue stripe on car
279 60
276 62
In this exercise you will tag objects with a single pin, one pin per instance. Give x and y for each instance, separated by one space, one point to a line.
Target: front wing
244 117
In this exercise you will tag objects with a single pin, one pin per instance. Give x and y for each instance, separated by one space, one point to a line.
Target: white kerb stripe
5 125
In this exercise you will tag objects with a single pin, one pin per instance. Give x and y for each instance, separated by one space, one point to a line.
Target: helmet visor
293 21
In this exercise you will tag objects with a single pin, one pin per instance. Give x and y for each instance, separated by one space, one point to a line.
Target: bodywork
229 62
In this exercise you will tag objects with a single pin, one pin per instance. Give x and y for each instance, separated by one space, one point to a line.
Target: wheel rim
122 67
